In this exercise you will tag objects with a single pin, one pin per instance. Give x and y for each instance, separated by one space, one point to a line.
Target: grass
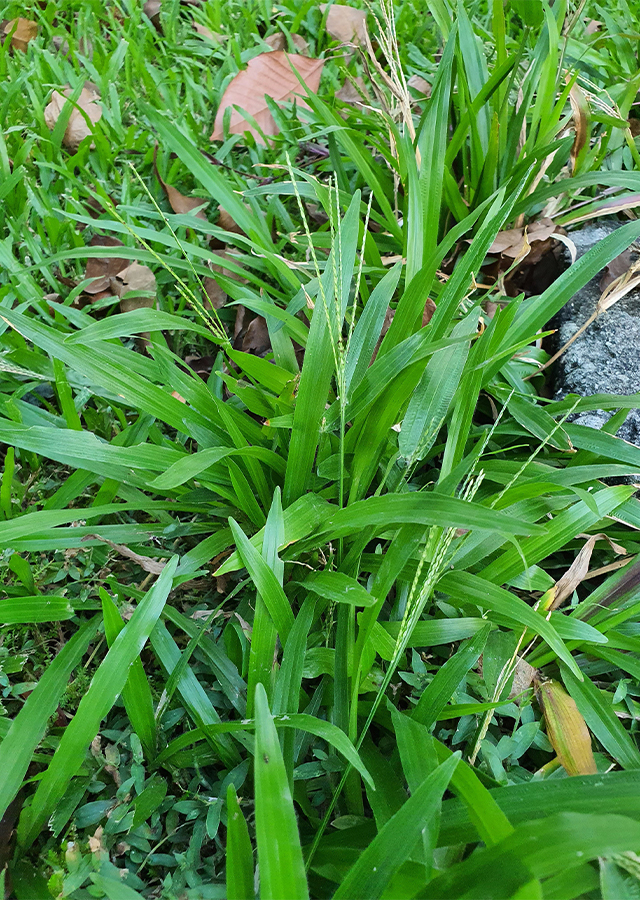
277 629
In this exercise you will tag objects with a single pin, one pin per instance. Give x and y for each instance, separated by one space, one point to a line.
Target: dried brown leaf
256 339
152 10
205 32
135 286
345 23
578 569
522 677
581 115
84 47
179 203
353 91
87 107
615 269
25 31
513 242
102 268
278 41
268 74
153 566
420 84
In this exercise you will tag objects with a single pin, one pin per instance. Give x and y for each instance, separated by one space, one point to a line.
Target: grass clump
286 507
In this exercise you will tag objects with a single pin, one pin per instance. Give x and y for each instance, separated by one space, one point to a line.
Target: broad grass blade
393 844
239 862
280 859
602 720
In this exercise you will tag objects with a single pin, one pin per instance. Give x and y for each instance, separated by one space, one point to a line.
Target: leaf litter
278 71
85 113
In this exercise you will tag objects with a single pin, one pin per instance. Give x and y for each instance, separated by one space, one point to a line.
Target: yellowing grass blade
566 729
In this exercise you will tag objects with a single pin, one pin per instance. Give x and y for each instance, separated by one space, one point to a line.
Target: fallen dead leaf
512 242
420 84
256 338
634 127
102 268
522 677
135 286
205 32
593 26
615 269
179 203
87 107
152 10
154 566
215 296
84 46
581 115
274 74
578 569
227 222
278 41
24 30
354 91
345 23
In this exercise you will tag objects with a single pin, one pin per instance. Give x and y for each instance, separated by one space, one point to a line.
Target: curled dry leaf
24 30
566 729
278 41
578 569
513 242
581 115
345 24
522 677
615 269
152 10
354 91
153 566
87 108
102 268
180 204
420 85
205 32
135 286
256 338
227 222
84 46
216 295
270 74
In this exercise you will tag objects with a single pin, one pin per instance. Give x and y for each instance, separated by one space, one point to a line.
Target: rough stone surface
605 359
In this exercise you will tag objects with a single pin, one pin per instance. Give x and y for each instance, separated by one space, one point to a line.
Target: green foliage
351 534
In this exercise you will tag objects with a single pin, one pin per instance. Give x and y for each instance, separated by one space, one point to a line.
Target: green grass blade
370 876
282 871
446 680
602 720
29 726
239 862
136 693
103 691
266 583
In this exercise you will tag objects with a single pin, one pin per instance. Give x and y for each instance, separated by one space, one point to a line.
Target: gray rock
605 359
